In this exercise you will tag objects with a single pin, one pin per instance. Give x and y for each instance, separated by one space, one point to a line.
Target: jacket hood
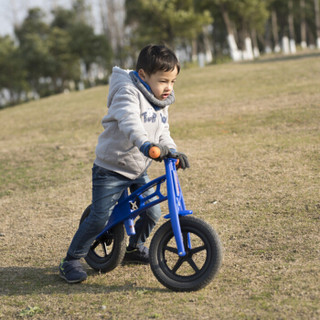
119 78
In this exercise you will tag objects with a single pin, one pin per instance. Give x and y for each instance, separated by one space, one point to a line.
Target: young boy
137 119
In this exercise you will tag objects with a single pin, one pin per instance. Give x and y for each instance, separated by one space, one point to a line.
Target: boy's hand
163 150
183 159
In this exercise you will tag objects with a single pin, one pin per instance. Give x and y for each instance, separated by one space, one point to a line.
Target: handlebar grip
154 152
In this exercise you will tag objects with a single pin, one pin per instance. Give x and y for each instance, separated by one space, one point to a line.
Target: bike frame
130 206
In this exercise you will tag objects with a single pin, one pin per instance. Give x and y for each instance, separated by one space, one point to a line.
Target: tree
174 22
12 75
86 47
234 51
294 20
32 36
112 16
244 21
317 16
250 18
292 37
63 64
275 31
303 26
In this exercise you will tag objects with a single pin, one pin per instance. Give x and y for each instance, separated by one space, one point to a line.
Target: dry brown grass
252 134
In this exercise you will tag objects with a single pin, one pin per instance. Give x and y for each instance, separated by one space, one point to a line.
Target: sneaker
72 271
137 255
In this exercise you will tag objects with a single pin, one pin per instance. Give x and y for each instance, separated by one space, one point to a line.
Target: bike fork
176 207
178 234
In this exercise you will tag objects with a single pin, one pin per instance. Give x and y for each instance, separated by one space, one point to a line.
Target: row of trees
65 54
243 28
48 58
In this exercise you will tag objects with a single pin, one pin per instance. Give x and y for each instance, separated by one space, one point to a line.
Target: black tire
107 252
201 263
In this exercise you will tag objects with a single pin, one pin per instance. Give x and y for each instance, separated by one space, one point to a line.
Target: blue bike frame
130 206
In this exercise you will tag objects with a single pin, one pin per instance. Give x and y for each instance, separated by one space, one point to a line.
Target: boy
137 119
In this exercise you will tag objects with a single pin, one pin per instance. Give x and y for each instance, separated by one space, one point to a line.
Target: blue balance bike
185 252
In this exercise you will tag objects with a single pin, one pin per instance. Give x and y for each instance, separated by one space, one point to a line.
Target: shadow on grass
28 280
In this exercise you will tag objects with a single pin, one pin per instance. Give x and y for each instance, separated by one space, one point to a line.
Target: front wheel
200 264
108 251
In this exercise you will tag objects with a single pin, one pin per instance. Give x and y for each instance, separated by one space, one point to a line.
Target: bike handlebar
154 152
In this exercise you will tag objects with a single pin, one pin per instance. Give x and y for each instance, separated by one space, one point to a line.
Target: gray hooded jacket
134 117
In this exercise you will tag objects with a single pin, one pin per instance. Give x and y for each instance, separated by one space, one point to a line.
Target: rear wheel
108 251
200 264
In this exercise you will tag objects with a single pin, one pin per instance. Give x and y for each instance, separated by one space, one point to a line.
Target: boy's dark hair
153 58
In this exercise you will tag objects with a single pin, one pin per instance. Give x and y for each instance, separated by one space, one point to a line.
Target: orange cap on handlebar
154 152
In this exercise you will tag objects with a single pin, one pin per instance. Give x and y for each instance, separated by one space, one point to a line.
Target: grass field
252 134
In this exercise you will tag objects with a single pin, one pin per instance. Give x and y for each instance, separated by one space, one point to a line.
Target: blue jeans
107 187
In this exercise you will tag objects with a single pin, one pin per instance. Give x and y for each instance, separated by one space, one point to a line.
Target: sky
12 11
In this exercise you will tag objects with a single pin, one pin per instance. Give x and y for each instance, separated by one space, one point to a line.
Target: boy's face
161 82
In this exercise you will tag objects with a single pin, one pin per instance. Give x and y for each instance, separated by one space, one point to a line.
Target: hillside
252 134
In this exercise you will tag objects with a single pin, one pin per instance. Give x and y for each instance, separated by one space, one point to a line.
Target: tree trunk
303 29
207 44
292 42
266 40
234 51
246 44
103 17
256 52
274 22
194 50
247 52
317 14
285 44
310 37
114 27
